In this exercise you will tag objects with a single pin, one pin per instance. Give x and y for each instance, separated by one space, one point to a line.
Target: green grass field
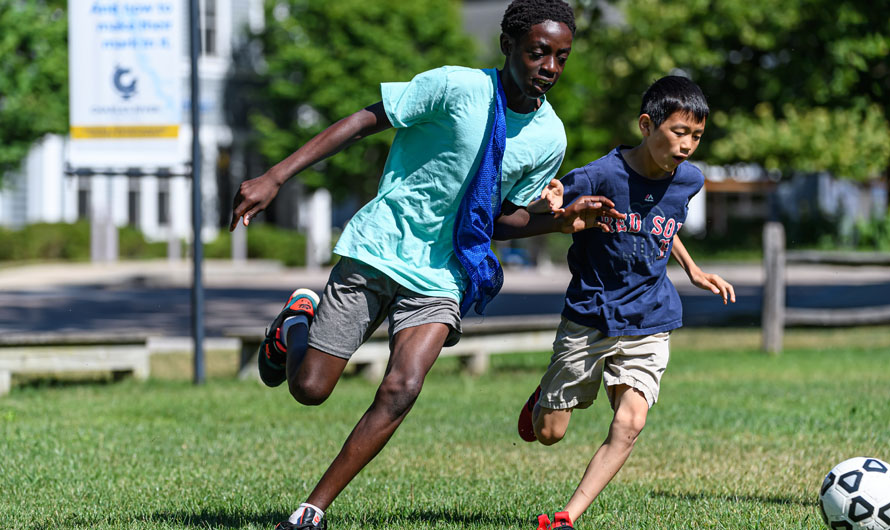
738 440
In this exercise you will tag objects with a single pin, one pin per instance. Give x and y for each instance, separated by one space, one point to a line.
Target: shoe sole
273 374
525 425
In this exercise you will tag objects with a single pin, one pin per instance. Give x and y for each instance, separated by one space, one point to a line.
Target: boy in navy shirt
620 305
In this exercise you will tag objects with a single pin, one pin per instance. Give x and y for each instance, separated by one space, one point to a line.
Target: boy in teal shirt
399 258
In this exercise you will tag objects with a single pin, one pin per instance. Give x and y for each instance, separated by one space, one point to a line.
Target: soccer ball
855 495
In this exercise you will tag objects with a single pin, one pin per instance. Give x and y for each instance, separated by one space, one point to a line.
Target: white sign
125 82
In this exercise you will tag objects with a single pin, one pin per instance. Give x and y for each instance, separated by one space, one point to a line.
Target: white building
160 207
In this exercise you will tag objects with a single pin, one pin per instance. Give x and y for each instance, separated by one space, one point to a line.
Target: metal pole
198 248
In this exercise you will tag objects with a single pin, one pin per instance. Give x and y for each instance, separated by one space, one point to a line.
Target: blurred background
798 135
798 91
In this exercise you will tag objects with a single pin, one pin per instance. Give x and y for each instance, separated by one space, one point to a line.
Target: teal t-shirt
442 117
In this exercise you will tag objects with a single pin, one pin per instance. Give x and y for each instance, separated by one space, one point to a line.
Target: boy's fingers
612 212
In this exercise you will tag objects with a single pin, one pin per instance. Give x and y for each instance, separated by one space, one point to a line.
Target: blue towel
479 207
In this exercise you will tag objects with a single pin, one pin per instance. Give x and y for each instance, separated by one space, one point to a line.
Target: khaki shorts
358 298
583 358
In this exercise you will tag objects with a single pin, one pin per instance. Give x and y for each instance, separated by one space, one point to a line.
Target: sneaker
272 356
308 521
543 522
561 521
287 525
526 427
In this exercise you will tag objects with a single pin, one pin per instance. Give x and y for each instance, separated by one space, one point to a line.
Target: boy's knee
550 428
631 420
308 392
549 435
397 393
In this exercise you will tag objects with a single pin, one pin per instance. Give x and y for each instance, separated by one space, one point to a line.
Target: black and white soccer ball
855 495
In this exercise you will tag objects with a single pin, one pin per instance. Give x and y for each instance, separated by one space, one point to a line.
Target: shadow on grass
228 520
82 379
468 518
694 497
217 519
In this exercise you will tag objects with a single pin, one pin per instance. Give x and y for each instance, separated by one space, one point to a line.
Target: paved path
154 296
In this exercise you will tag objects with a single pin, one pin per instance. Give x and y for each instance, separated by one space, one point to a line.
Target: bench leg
5 382
247 364
373 371
475 364
143 368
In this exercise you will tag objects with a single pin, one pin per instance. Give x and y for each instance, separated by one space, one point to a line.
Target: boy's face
673 141
536 60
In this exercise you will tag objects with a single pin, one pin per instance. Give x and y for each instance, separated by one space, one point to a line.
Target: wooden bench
481 338
42 353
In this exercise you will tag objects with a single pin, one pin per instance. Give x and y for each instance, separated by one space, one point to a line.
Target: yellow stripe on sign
95 132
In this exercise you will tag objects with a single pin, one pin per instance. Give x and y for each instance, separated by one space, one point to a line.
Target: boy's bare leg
414 351
631 409
312 378
550 424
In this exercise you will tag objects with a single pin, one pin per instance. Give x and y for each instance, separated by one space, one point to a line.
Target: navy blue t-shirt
619 282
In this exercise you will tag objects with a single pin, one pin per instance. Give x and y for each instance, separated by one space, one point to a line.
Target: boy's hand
253 196
585 213
713 283
550 201
552 195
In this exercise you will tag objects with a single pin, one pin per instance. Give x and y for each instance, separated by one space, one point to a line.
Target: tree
33 75
803 84
326 59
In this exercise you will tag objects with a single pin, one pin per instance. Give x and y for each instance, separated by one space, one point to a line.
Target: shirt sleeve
533 183
418 100
576 183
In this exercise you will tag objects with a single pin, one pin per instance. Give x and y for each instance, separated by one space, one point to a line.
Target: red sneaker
526 427
561 521
543 522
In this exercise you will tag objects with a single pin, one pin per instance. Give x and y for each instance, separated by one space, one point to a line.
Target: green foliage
264 241
33 75
874 234
131 244
70 242
807 80
326 59
851 142
46 241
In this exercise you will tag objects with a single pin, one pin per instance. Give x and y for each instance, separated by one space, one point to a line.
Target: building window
164 202
209 28
83 198
133 202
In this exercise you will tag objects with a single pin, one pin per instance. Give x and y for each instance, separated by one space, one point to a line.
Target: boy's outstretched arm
699 278
254 195
516 221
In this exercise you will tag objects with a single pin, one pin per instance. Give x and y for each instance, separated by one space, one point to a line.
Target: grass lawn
738 440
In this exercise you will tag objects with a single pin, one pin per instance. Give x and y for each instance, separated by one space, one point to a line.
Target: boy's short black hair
671 94
521 15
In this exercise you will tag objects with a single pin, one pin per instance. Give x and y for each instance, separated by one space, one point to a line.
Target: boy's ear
506 44
645 124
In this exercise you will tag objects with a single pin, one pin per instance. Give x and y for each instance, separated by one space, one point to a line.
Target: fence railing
776 316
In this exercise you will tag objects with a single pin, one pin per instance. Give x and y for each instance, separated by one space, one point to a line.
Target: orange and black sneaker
562 521
543 522
525 426
309 520
273 351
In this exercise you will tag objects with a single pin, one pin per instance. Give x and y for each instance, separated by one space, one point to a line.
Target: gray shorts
584 358
359 297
